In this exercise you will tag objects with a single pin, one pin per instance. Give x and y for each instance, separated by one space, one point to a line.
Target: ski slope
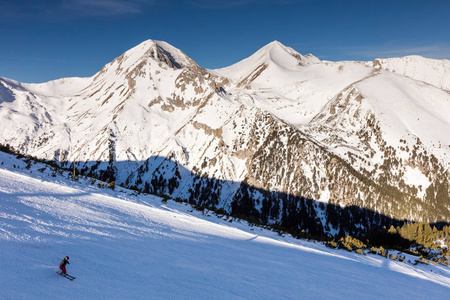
127 246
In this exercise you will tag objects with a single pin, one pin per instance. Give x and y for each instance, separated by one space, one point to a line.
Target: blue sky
50 39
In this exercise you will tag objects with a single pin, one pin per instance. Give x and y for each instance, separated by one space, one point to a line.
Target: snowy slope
432 71
287 84
124 246
277 125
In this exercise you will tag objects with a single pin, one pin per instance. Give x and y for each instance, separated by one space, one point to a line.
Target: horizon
75 38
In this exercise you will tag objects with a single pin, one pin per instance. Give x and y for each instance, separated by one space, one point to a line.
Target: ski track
125 246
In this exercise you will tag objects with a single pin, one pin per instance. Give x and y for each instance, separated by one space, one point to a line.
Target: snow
293 92
420 68
273 53
406 107
126 246
413 176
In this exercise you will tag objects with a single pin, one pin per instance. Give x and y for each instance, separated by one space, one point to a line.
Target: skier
62 265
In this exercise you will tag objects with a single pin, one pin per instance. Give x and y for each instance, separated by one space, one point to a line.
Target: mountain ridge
276 121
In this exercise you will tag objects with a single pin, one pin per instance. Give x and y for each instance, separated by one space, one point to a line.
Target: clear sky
41 40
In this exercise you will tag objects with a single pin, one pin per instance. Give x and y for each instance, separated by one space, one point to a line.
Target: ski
70 277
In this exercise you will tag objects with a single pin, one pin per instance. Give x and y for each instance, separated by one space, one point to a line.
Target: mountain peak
275 43
274 54
148 52
279 54
161 51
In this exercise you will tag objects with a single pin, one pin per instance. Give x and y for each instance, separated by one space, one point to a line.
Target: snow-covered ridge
432 71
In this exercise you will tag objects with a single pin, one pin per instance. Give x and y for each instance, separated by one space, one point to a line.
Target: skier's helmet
67 257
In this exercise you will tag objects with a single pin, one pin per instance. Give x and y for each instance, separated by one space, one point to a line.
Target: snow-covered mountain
278 137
